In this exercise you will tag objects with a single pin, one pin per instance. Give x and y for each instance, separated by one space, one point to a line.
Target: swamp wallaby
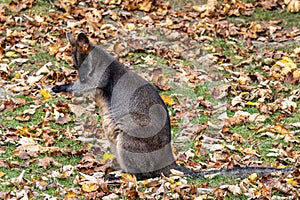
135 119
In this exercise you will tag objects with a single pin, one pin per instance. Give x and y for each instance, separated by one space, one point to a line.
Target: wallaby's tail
235 172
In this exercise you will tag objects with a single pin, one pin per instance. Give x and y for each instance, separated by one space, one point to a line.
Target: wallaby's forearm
62 88
77 87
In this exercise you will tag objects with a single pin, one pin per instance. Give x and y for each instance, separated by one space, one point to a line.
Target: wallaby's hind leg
142 161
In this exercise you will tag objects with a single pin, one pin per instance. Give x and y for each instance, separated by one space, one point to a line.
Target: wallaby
135 118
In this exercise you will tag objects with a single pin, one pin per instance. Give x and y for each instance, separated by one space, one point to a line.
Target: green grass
5 2
288 19
33 171
138 59
215 181
8 117
40 7
230 48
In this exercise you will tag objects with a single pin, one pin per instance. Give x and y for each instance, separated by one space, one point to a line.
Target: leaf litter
185 39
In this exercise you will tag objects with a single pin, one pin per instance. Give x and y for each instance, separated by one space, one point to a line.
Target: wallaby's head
81 47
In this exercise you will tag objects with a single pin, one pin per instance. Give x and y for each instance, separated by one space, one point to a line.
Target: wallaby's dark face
81 47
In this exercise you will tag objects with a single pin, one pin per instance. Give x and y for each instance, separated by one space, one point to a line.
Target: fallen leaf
168 100
89 187
11 54
46 94
108 156
292 181
33 79
293 5
253 177
23 118
1 174
46 162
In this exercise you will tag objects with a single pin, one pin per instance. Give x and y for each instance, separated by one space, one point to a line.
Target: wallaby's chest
108 123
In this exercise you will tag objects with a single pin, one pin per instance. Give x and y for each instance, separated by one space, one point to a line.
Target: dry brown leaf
23 118
159 79
89 187
46 162
17 6
293 5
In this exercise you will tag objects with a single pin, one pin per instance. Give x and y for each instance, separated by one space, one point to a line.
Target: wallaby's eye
78 57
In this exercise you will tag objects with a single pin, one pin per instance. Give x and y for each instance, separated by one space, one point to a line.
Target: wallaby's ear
71 39
83 41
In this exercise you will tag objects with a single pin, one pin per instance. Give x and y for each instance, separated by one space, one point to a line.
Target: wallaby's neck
111 69
101 57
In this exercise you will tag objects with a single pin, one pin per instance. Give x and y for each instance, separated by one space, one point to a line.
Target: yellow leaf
145 182
174 185
17 76
11 54
71 195
255 27
89 187
243 80
169 22
89 146
250 103
130 26
129 177
53 49
131 54
145 6
286 64
168 100
253 177
1 174
108 156
170 180
279 128
292 181
46 94
24 132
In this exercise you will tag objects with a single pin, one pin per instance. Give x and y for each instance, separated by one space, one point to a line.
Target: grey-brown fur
135 119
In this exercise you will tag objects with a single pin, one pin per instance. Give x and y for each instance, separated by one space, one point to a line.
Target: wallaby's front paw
63 88
56 89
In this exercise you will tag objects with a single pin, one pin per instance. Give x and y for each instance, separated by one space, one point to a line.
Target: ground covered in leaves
227 70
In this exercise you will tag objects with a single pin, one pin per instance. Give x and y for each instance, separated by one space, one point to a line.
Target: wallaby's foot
61 88
112 177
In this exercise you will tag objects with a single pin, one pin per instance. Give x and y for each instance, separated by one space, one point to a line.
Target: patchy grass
32 171
42 7
287 19
214 182
142 64
233 49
